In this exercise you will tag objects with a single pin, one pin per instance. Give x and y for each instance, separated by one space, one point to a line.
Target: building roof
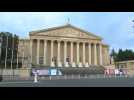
64 26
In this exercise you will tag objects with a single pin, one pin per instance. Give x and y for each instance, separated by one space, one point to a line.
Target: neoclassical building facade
64 46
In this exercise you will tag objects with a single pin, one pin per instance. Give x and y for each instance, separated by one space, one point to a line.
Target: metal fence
14 75
64 77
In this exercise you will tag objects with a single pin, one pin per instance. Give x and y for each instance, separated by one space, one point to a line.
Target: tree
9 47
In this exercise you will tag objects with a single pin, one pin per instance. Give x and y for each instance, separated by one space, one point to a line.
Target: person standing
35 76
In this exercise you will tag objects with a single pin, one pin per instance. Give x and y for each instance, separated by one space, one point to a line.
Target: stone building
64 46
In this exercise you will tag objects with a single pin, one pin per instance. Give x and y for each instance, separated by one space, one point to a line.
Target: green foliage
122 55
8 38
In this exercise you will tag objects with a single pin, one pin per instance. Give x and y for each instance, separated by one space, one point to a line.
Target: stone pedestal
24 72
80 65
73 64
66 64
52 64
86 65
59 64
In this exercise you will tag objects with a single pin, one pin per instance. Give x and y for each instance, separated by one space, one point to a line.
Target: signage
43 72
53 71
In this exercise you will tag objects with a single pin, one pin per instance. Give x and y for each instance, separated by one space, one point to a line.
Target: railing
14 75
65 77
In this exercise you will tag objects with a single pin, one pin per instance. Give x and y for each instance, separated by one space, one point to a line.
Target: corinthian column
58 51
77 52
83 53
95 54
71 54
45 50
100 49
89 53
65 51
38 50
51 50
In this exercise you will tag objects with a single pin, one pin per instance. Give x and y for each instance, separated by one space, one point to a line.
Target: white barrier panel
43 72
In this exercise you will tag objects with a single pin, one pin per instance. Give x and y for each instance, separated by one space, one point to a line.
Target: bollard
72 76
79 76
65 77
50 78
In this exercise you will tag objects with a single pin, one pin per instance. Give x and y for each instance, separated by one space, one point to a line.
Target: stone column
100 49
77 52
71 54
51 50
45 51
31 45
38 49
83 53
65 51
58 51
89 53
95 54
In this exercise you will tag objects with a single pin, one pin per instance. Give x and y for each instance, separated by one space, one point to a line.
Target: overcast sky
114 27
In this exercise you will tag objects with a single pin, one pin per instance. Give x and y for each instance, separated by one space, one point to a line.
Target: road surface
99 82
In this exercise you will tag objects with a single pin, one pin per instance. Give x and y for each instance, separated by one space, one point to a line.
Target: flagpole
23 54
6 54
17 58
12 52
0 46
17 54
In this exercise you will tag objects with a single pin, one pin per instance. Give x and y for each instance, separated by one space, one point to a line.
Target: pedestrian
35 77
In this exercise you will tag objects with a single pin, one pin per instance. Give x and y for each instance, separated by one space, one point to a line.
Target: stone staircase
92 69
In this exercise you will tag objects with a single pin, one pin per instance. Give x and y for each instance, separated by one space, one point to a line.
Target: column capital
71 41
52 40
65 41
58 41
45 40
78 42
38 39
94 43
83 42
89 43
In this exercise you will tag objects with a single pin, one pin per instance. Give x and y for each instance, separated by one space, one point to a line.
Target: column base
86 65
73 64
66 64
59 64
80 65
52 64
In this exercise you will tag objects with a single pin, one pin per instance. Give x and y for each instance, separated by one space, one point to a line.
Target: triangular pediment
65 31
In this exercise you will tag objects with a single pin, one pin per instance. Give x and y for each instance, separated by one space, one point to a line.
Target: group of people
116 71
